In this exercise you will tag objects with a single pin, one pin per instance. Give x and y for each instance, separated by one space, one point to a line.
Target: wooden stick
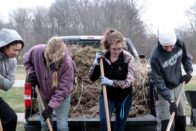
1 127
173 113
105 97
43 107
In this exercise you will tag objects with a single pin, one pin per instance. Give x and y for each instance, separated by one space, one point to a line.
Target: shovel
105 97
42 106
173 113
1 127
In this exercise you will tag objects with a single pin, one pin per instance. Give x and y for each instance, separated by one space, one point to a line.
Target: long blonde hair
55 45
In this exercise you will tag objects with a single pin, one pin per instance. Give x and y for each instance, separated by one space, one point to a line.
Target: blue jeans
61 116
122 111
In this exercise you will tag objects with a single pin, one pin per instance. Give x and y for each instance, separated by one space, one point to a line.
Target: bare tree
20 19
63 14
190 33
81 17
41 25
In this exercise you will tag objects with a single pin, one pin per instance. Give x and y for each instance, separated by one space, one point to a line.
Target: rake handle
43 107
1 127
105 97
173 113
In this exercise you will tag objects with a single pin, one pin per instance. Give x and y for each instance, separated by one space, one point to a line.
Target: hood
8 36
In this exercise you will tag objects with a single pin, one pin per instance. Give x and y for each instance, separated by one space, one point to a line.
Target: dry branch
84 100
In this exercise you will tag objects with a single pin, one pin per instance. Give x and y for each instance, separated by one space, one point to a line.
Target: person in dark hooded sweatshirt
11 44
166 59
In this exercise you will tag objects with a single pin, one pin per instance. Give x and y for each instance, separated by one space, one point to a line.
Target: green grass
191 85
14 97
190 128
20 126
20 73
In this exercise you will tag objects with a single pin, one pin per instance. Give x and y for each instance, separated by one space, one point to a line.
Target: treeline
81 17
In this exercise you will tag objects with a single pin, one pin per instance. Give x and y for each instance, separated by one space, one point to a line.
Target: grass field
191 84
20 126
20 73
15 98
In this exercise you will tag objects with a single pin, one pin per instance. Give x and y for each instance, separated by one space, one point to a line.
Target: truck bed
140 123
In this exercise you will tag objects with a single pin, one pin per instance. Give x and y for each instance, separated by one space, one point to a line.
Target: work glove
47 112
106 81
173 107
185 78
32 79
98 55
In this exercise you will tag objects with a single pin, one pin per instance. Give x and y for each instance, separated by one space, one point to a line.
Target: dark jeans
180 123
164 124
122 111
8 116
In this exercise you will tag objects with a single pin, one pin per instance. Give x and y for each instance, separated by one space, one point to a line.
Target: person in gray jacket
166 59
11 44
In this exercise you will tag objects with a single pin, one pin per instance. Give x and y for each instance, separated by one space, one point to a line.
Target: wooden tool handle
43 107
173 113
105 97
1 127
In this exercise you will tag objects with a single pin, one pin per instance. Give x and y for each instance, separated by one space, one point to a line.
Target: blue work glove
47 112
173 107
106 81
186 78
98 55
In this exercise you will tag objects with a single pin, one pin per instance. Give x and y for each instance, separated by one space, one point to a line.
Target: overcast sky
167 12
8 6
158 12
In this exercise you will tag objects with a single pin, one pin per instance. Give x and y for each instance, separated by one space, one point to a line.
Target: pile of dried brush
84 100
140 89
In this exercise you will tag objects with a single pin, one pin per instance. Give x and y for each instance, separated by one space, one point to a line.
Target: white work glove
98 55
106 81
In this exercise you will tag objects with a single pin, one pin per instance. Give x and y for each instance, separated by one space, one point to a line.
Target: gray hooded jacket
166 68
7 65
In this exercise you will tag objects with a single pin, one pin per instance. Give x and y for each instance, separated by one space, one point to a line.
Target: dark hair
14 43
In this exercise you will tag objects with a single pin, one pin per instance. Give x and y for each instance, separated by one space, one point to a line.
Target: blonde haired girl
50 67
